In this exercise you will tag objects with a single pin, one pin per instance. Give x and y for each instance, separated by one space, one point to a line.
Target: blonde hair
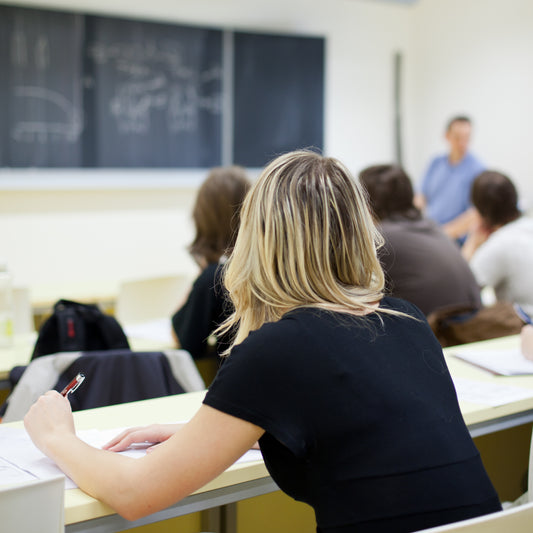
306 239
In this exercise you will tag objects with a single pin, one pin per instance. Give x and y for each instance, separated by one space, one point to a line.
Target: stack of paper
489 393
21 461
502 362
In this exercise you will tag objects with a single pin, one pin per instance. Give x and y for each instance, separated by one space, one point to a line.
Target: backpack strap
70 326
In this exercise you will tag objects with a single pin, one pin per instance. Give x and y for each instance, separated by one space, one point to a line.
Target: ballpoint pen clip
73 385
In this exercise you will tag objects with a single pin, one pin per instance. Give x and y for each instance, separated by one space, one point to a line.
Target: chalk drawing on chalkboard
67 128
153 76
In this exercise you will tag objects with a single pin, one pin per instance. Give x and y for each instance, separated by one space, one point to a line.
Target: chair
513 520
22 311
34 506
113 376
146 299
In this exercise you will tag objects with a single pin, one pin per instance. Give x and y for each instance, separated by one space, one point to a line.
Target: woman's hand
478 233
526 340
156 433
49 418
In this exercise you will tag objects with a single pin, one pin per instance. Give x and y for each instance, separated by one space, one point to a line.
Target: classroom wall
474 57
100 234
468 56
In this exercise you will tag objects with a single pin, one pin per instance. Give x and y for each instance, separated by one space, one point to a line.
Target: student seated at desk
421 263
216 219
346 390
500 245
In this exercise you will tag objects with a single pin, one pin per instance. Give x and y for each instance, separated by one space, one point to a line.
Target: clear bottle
6 307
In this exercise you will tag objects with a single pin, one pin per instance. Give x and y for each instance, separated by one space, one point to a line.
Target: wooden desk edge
80 507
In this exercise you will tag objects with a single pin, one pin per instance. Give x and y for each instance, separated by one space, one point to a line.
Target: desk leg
229 518
221 519
211 520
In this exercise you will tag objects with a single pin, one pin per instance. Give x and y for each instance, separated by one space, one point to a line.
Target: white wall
50 236
473 57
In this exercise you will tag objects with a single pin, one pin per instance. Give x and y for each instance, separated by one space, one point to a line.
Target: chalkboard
89 91
152 93
279 96
41 112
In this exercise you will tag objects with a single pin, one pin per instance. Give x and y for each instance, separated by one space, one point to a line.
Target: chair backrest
146 299
34 506
22 311
514 520
112 376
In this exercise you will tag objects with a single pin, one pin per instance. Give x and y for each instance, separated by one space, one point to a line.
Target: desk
84 513
483 419
241 481
17 354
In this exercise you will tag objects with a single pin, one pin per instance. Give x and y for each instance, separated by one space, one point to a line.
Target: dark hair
494 196
389 191
216 213
458 118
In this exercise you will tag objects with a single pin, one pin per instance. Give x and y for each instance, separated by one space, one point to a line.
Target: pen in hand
73 385
522 314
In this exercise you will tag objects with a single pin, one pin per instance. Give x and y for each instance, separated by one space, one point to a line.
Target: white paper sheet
492 394
502 362
11 474
21 460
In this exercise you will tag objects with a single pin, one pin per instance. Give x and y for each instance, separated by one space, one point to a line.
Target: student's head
216 213
306 239
495 198
390 191
458 131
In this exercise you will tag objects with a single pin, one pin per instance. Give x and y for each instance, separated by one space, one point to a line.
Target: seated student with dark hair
216 216
421 264
500 245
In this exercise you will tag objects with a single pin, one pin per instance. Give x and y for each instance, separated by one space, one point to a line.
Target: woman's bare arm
183 463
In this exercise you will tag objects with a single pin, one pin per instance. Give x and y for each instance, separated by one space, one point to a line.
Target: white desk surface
483 419
81 509
19 353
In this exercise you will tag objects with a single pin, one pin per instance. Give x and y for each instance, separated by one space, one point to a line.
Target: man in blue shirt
445 189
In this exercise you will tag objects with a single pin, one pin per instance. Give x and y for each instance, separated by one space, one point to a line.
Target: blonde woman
346 390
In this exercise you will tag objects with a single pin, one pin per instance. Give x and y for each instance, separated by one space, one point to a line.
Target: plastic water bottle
6 307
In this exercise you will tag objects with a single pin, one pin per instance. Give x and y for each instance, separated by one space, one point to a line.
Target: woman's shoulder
307 320
210 276
400 305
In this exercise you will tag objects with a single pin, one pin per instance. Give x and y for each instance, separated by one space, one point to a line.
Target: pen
73 385
522 314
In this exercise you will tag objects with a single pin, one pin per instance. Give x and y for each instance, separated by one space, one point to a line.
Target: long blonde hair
306 239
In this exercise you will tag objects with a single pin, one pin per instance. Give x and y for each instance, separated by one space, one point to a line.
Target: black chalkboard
152 93
279 96
41 110
88 91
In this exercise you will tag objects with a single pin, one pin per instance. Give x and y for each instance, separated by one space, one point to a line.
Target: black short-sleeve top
360 414
205 309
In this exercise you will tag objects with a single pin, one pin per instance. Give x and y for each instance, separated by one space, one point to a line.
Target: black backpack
75 327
